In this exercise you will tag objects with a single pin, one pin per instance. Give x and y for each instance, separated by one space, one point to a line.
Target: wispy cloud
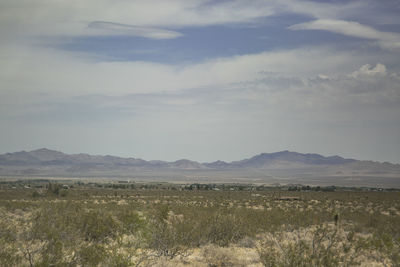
324 9
52 18
387 40
111 28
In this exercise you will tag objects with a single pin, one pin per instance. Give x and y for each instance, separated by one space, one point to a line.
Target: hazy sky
200 79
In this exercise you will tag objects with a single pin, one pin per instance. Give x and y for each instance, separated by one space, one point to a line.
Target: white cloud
367 70
324 10
76 74
71 17
109 28
387 40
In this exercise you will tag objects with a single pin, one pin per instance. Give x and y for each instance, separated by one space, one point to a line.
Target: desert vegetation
70 223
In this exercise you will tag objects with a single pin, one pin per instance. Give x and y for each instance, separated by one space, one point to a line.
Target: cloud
70 18
366 89
387 40
76 74
110 28
367 70
275 93
66 18
325 10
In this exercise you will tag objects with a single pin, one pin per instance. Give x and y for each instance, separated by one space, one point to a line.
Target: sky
199 79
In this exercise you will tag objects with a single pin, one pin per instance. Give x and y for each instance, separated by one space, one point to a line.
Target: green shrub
91 255
36 194
98 225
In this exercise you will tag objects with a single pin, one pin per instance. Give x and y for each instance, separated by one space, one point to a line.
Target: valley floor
78 224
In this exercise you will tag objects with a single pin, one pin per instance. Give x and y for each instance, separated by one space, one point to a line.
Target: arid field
74 223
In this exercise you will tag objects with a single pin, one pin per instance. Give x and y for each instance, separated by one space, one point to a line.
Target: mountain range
273 166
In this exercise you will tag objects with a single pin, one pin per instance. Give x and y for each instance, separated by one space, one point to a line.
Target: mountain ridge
279 165
48 155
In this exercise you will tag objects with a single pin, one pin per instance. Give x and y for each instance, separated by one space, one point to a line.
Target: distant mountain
46 157
186 164
45 162
287 158
217 165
